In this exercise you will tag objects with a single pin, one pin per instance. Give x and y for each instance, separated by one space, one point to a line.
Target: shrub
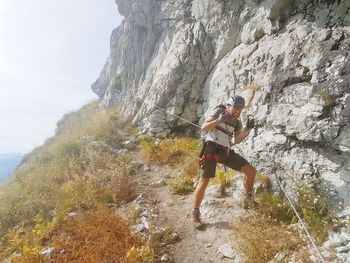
100 237
223 179
28 239
170 151
260 238
182 184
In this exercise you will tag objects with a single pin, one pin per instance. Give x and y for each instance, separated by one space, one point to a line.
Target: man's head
235 105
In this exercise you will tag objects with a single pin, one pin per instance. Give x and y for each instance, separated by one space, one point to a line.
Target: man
221 130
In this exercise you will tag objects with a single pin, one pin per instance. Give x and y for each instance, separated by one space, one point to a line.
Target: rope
280 184
300 220
178 117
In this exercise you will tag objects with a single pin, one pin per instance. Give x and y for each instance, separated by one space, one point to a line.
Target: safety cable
178 117
279 183
300 220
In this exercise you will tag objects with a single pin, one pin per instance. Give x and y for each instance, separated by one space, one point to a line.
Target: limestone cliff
289 59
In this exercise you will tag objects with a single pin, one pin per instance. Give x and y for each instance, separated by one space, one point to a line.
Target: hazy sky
50 53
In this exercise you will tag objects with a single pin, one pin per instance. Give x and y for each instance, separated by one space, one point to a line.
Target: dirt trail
174 211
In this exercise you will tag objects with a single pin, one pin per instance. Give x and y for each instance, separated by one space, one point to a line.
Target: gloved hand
250 122
223 117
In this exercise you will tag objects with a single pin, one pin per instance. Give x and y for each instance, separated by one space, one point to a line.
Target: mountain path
174 212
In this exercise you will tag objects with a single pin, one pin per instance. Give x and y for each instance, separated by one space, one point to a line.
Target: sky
50 54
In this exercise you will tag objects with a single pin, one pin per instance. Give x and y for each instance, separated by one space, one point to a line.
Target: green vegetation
73 171
223 179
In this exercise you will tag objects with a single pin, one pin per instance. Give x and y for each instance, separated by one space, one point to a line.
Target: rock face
289 59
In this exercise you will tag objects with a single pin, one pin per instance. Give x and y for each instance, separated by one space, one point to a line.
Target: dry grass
181 153
268 232
170 151
223 179
100 237
260 239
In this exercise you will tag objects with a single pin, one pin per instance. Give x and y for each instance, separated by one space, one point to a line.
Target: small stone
144 213
87 138
279 257
343 249
154 211
144 222
164 257
76 216
343 213
122 151
172 237
159 183
138 228
208 245
336 240
47 252
226 251
129 145
139 200
73 214
145 168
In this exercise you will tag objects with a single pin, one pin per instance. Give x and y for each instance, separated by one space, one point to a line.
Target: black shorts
214 153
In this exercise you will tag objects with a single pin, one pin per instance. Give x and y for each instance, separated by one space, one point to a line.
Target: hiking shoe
196 219
248 202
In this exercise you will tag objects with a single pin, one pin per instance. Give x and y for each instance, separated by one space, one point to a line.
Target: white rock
73 214
164 258
336 240
139 199
159 183
145 168
226 251
47 252
138 228
344 213
214 191
144 222
129 145
343 249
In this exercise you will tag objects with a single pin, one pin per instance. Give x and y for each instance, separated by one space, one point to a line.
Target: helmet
236 101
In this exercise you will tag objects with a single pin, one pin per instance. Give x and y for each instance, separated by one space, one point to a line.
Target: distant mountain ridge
8 162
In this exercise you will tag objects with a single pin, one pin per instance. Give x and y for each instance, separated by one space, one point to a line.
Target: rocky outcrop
289 59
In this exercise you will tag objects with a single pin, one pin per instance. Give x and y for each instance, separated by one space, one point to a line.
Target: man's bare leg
200 191
198 198
249 179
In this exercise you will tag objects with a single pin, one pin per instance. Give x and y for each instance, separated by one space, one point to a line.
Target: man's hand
250 122
223 117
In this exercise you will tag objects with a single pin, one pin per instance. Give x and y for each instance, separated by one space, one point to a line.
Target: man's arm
214 120
209 124
241 135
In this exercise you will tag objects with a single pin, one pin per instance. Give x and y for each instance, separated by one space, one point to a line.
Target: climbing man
222 130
